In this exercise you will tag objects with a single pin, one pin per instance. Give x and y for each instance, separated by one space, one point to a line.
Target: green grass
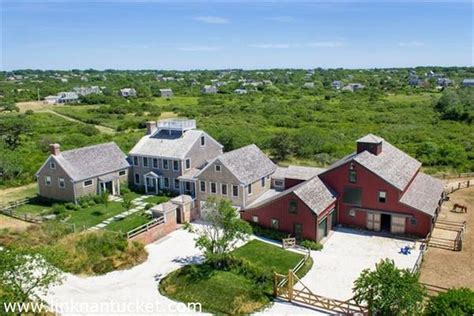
93 215
33 208
157 199
26 191
231 292
128 223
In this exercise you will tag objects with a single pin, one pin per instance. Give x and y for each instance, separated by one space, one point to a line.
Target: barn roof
424 193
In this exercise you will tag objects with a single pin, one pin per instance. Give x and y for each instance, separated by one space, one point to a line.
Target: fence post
275 285
290 285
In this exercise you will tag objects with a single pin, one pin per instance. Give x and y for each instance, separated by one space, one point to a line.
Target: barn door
398 225
373 221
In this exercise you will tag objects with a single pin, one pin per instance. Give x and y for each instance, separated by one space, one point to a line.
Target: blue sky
234 34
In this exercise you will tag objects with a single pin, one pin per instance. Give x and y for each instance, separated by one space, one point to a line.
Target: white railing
145 227
177 124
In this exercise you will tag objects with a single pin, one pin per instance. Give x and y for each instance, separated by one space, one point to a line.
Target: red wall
291 182
278 209
371 184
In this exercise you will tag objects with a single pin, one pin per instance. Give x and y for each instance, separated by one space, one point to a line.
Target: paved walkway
137 203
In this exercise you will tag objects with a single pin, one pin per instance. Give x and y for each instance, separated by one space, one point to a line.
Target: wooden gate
283 287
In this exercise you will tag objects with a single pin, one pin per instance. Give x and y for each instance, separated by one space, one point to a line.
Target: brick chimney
150 127
54 149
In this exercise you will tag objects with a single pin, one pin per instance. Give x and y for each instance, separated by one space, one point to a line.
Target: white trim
226 189
138 161
153 163
249 188
234 185
46 178
52 164
175 162
220 168
147 162
203 136
63 182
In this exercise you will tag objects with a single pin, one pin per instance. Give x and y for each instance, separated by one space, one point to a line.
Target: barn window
413 221
352 176
293 207
275 223
62 183
382 196
352 195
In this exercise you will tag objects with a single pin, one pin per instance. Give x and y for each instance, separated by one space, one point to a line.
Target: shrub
311 244
148 206
59 209
91 202
97 199
268 233
454 302
70 206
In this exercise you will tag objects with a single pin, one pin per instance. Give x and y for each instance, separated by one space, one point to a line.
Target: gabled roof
92 161
168 144
392 165
247 164
296 172
313 192
423 193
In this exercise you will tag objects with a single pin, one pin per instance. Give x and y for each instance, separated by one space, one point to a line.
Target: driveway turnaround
129 292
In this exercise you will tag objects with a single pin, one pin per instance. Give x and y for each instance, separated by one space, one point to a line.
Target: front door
108 187
298 231
179 215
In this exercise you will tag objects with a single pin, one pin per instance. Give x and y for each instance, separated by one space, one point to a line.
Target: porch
109 183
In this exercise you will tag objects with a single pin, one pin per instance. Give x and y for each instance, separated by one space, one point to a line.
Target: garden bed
243 288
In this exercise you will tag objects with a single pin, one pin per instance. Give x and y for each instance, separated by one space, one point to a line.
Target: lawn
128 223
18 193
239 290
157 199
93 215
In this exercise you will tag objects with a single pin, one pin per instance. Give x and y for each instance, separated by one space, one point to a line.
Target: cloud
282 19
267 46
202 48
211 19
327 44
411 44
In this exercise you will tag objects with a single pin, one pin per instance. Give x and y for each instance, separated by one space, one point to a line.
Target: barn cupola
371 143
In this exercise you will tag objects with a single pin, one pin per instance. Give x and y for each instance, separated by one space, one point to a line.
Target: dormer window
203 140
52 165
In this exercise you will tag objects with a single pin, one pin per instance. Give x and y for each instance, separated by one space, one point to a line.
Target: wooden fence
306 296
288 242
447 243
456 176
8 209
450 188
145 227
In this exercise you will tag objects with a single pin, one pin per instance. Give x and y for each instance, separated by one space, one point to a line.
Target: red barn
306 210
380 187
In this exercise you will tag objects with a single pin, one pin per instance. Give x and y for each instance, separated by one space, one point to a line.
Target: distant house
82 91
468 82
51 99
414 80
353 87
128 92
241 175
308 85
209 89
240 91
166 93
69 175
336 84
67 97
267 82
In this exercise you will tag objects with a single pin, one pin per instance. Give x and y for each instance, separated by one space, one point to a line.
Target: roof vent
370 143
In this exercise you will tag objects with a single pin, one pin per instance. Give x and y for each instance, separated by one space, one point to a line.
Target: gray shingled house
69 175
241 175
170 154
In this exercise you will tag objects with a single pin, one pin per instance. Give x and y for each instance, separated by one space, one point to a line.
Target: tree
223 230
24 274
453 302
127 201
281 146
388 290
105 198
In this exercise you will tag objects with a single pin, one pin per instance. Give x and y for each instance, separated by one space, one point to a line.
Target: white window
217 168
255 218
137 178
202 187
213 187
235 190
275 223
382 196
175 165
249 189
165 164
52 165
145 162
47 180
224 189
166 182
352 213
155 163
135 160
122 172
61 183
87 183
176 184
188 163
203 140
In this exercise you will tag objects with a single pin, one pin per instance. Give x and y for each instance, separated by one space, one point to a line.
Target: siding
54 191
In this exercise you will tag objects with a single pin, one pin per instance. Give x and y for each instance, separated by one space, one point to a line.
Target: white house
128 92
